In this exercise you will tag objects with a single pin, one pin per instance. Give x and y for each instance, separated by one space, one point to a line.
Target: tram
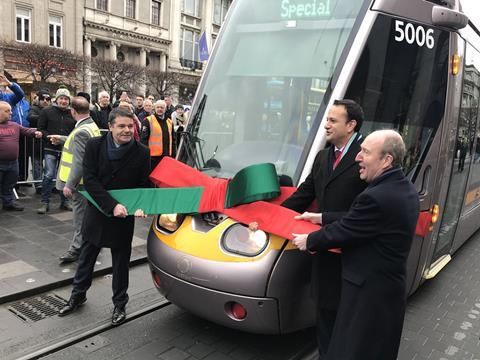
276 67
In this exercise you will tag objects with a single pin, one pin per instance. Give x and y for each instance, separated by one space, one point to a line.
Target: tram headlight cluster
170 222
239 239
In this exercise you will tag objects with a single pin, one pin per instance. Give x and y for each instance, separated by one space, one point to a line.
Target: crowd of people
156 125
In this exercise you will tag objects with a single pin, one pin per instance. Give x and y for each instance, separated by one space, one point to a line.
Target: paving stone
217 356
241 354
174 354
200 350
149 351
183 342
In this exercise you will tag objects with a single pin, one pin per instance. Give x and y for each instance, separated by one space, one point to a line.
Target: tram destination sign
304 9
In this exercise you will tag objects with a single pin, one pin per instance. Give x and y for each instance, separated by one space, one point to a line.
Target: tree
45 62
117 75
161 83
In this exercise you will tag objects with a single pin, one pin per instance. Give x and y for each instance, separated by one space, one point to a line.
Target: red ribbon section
270 217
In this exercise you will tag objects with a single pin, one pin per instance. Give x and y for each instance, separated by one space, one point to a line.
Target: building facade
56 23
160 35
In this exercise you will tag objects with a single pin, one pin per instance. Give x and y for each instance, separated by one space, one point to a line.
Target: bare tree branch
45 61
116 75
161 82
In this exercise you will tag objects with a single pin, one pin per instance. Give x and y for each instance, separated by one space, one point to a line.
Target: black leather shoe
13 207
119 316
72 305
65 206
68 257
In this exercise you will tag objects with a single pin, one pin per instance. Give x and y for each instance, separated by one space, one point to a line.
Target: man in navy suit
375 237
333 183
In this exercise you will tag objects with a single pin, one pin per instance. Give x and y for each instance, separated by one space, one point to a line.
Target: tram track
72 334
83 335
309 352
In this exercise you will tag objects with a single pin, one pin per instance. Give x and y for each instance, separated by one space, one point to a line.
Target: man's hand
314 218
300 241
67 192
4 80
140 213
253 226
120 211
38 134
55 139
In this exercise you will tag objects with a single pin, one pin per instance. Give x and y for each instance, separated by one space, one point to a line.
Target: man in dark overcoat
113 161
375 237
334 184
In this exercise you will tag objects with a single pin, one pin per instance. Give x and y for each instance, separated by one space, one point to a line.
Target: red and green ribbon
253 194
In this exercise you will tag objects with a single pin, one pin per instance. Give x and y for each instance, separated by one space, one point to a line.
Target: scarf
115 152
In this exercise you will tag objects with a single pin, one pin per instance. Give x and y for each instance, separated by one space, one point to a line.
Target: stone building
57 23
154 34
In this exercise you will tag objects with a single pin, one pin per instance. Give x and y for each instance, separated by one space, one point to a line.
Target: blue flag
202 47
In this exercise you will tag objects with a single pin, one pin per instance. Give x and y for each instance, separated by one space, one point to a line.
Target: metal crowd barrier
30 160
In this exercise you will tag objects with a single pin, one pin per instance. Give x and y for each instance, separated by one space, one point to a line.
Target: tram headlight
239 239
170 222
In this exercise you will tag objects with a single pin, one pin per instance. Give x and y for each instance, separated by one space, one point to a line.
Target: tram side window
401 84
468 136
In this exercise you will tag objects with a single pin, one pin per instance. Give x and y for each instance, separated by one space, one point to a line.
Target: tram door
465 157
402 84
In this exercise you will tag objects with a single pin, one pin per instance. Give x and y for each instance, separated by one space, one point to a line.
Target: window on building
102 5
156 7
23 25
220 8
192 7
189 44
130 8
55 31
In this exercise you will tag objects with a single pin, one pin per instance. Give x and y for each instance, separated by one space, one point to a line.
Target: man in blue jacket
13 97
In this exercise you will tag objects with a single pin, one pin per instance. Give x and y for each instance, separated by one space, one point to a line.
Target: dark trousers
8 179
86 263
50 168
325 323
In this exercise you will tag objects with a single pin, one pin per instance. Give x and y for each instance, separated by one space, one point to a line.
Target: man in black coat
35 150
113 161
333 184
54 120
375 237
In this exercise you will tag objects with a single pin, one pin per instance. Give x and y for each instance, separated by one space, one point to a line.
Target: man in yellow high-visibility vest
70 171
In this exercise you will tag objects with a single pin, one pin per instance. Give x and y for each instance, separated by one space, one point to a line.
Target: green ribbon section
155 201
253 183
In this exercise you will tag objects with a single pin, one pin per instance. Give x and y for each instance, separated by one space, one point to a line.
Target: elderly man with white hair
158 134
375 237
103 109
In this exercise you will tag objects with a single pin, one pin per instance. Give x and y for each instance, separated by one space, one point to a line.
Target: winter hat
43 94
84 95
62 92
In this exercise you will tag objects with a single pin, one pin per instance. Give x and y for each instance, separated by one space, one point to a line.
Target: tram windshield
264 85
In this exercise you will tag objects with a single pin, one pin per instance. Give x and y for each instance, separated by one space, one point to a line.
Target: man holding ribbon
333 183
375 237
113 161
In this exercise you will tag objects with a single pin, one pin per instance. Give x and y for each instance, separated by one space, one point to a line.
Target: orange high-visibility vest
155 141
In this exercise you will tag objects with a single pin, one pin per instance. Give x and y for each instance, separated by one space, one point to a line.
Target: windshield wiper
191 144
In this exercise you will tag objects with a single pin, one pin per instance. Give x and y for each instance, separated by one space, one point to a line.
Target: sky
472 9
